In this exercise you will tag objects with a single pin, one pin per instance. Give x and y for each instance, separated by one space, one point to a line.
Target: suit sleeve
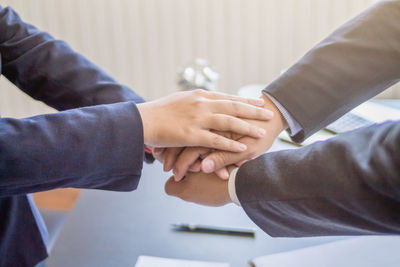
50 71
97 147
100 146
353 64
348 185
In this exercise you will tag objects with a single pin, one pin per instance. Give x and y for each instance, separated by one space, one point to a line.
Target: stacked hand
188 119
200 188
198 164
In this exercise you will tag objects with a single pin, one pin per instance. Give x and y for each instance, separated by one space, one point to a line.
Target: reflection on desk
114 229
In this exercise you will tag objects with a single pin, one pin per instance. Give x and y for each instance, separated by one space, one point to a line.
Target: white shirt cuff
232 187
294 126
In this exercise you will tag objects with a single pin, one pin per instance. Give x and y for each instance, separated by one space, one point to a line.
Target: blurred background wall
143 42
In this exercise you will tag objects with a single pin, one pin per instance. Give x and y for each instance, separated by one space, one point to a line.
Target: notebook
370 251
147 261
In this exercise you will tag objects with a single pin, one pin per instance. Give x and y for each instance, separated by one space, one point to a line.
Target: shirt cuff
232 187
294 126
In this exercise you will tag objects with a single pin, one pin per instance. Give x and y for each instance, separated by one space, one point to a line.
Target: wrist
278 120
146 125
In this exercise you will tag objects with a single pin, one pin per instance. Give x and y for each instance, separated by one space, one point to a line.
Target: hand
189 159
200 188
186 118
216 161
256 147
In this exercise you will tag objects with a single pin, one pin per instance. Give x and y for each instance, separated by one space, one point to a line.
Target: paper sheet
147 261
360 251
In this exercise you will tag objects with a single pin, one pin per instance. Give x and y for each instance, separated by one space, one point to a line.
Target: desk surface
113 229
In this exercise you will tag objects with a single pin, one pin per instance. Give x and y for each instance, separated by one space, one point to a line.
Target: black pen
182 227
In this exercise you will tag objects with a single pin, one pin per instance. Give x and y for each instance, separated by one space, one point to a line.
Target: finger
242 110
196 167
186 159
222 173
225 123
171 156
220 159
221 96
212 140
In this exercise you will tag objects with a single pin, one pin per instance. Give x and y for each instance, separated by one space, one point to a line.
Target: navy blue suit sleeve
94 147
50 71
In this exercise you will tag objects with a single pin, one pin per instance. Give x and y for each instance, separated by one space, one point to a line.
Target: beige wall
143 42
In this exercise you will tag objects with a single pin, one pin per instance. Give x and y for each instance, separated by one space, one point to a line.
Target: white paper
376 112
147 261
361 251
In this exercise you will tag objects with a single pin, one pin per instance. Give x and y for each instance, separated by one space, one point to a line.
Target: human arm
67 148
182 162
354 63
348 185
50 71
357 61
92 147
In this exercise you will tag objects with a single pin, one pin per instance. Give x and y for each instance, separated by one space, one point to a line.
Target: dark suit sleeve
94 147
349 185
353 64
50 71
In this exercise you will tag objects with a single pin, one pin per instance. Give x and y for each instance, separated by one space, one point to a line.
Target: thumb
219 159
172 188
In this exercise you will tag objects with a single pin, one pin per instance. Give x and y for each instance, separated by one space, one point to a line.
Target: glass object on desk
198 75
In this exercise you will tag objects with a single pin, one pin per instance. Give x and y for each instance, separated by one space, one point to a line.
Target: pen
182 227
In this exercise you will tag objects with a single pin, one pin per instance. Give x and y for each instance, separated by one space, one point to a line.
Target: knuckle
220 160
259 112
253 129
231 121
234 106
199 92
216 141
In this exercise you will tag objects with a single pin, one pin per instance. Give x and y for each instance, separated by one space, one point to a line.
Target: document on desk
371 251
147 261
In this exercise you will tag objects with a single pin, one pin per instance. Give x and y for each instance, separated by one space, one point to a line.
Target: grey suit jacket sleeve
349 185
356 62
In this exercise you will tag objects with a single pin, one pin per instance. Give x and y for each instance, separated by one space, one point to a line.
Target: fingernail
261 132
167 167
208 166
225 174
177 177
268 114
242 147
